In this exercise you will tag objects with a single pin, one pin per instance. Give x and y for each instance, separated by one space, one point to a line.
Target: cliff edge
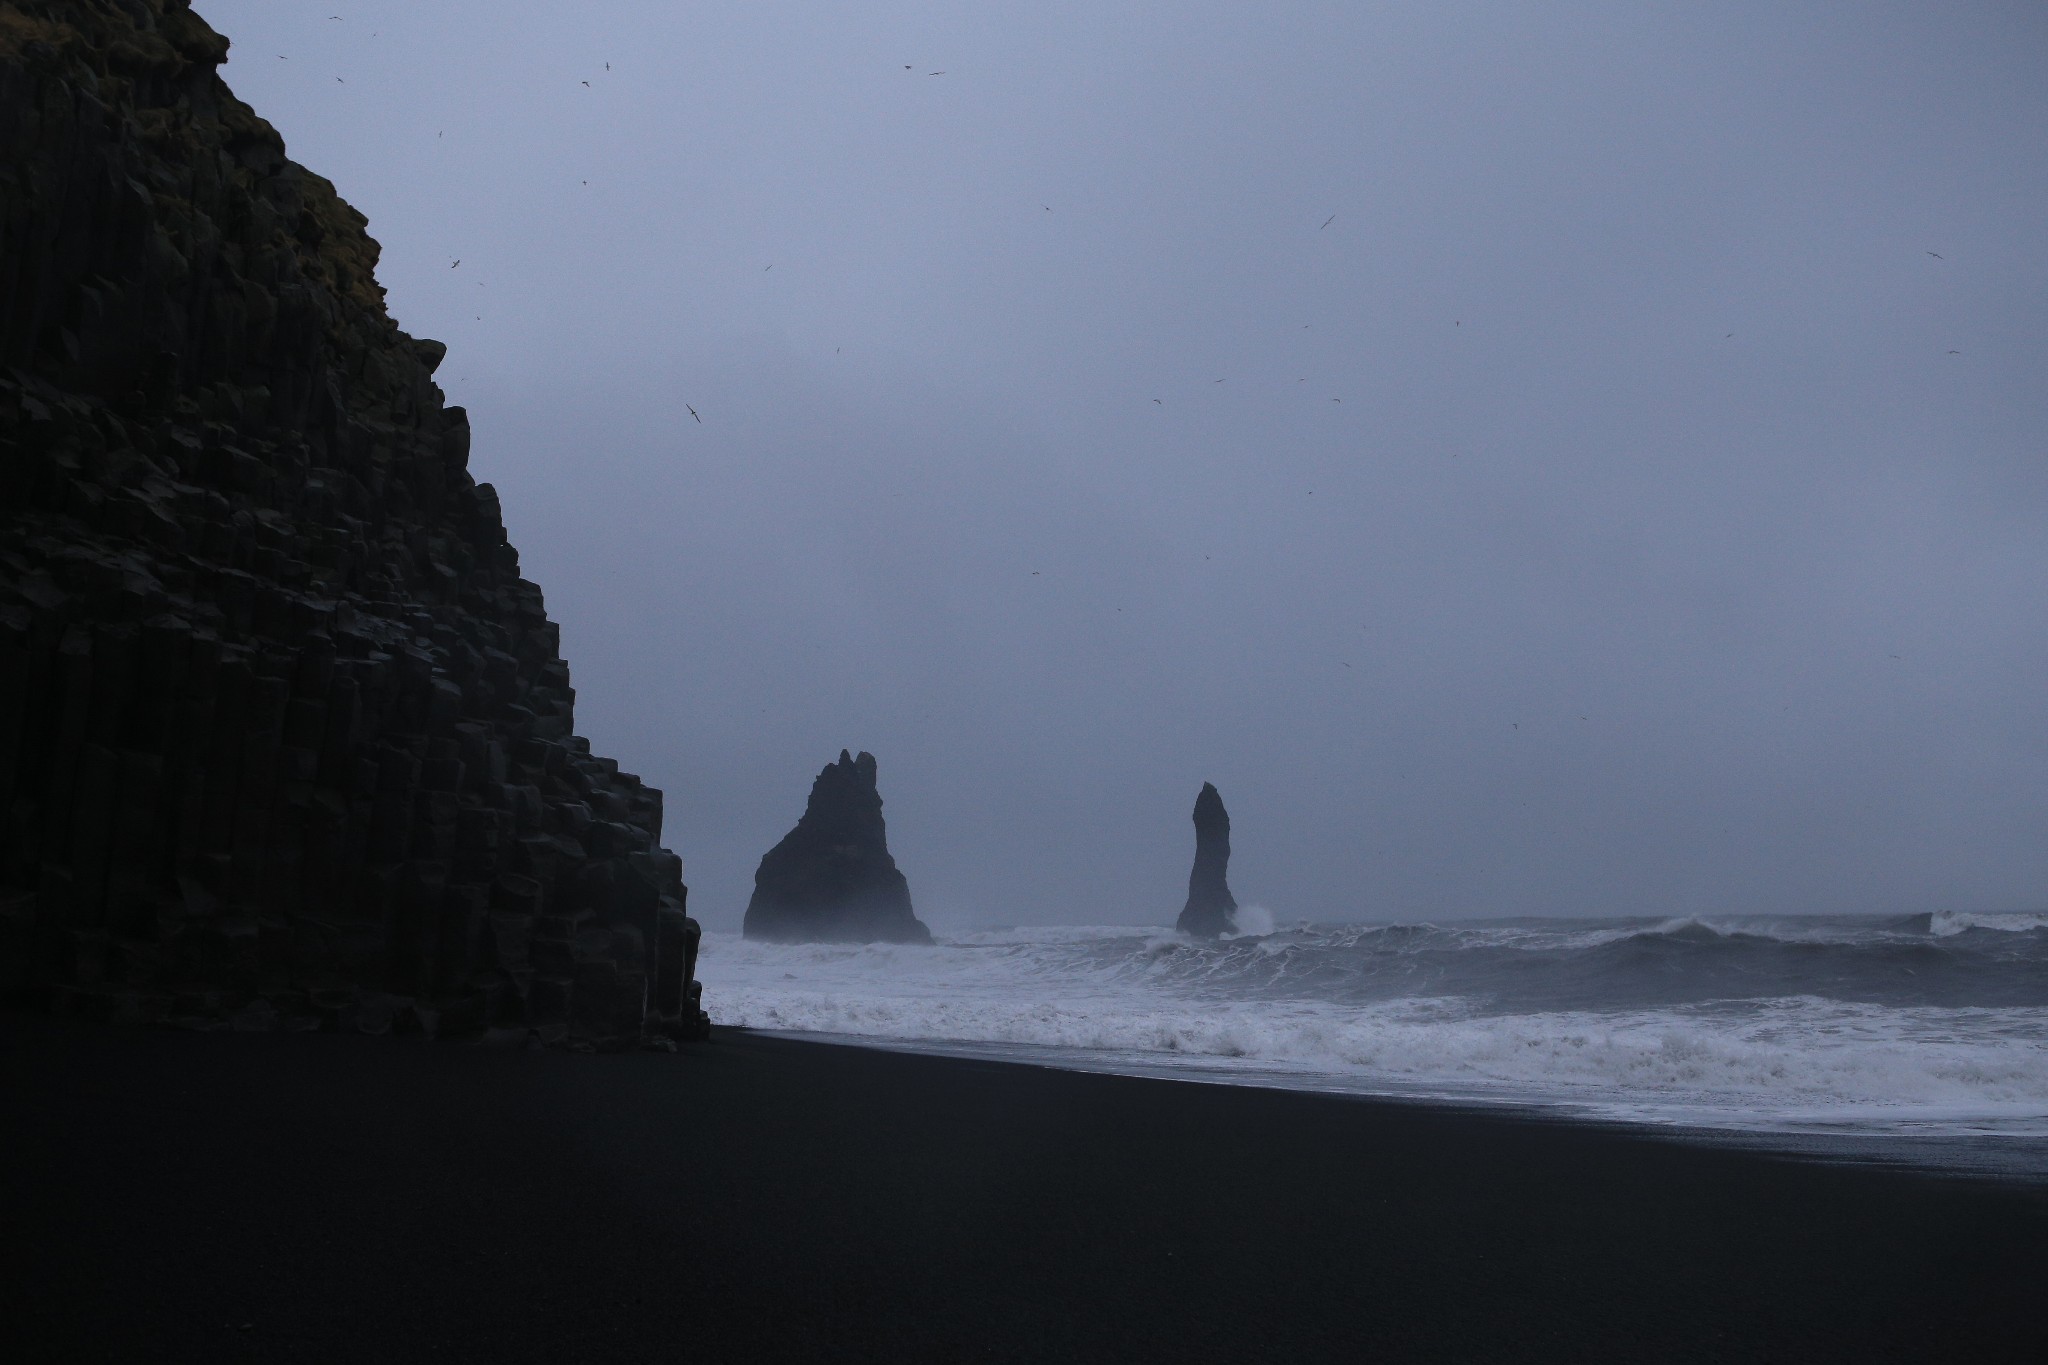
284 736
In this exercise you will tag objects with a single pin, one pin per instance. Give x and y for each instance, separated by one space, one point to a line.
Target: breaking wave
1930 1024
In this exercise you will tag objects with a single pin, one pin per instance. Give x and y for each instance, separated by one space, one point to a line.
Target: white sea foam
1943 923
1152 1001
1253 920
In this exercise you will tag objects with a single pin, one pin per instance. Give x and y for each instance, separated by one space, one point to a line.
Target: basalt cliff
284 736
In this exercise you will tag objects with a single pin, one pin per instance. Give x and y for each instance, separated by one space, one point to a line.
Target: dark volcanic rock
1211 909
284 736
831 879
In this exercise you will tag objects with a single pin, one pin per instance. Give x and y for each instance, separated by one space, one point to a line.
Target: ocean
1921 1038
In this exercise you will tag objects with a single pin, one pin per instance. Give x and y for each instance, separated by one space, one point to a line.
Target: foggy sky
1494 577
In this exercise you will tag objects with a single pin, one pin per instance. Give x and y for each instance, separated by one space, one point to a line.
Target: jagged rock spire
1211 909
831 879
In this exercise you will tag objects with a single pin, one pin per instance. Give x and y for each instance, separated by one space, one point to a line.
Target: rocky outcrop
1211 909
284 736
831 879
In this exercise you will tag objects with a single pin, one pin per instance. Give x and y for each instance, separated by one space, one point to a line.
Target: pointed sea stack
1211 909
831 879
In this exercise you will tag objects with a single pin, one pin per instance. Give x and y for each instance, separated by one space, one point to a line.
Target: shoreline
1870 1038
760 1198
2001 1158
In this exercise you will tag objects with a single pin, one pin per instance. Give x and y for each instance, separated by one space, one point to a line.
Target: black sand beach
179 1196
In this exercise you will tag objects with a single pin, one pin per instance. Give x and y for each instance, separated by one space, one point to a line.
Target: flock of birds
1035 573
1047 207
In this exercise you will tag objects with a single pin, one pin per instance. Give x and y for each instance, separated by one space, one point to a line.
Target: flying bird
607 66
1160 404
458 261
1937 255
693 413
937 73
586 85
1955 352
1326 222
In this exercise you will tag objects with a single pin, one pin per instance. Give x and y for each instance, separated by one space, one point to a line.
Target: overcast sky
1534 459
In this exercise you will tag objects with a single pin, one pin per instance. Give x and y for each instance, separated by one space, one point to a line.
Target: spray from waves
1439 1011
1253 921
1945 923
1563 965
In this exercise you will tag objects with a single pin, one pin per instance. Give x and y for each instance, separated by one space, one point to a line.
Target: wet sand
261 1197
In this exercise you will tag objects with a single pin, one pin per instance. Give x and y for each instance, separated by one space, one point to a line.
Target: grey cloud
1573 602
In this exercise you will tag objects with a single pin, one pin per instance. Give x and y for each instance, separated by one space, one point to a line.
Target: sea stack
1211 909
831 879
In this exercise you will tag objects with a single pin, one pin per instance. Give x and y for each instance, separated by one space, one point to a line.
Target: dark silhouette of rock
1211 909
831 879
284 736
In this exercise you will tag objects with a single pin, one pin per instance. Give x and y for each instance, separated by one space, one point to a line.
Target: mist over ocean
1930 1025
1578 458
